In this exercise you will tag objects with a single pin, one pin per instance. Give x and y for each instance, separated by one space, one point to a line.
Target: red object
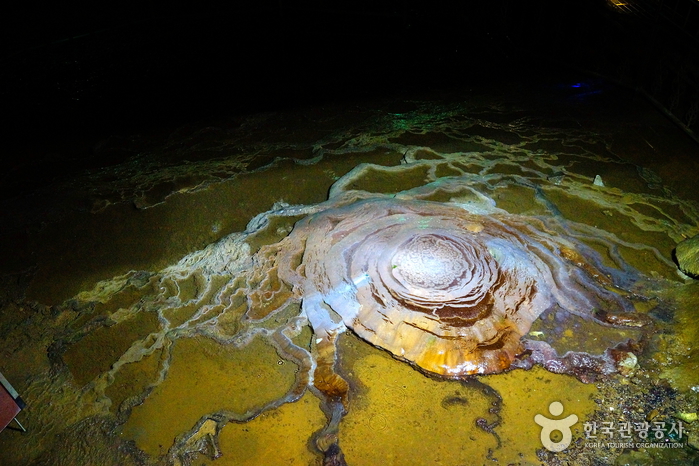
8 408
10 403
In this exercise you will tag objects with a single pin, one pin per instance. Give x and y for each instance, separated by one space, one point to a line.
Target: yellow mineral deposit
348 307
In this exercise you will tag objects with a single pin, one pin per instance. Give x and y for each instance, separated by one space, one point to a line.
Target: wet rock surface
118 324
687 255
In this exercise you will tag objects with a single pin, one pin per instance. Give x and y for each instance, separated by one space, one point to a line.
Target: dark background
148 62
72 74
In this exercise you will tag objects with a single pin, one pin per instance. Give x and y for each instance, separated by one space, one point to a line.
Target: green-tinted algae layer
407 415
275 437
398 414
84 248
413 416
205 377
678 353
97 351
390 181
133 379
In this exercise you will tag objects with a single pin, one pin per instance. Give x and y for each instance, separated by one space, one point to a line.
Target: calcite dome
447 290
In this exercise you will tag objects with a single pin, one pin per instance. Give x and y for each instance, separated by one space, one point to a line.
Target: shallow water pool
140 327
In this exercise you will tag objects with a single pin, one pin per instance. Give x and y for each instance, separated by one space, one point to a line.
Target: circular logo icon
548 426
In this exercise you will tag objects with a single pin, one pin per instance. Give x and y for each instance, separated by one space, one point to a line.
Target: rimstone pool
368 283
